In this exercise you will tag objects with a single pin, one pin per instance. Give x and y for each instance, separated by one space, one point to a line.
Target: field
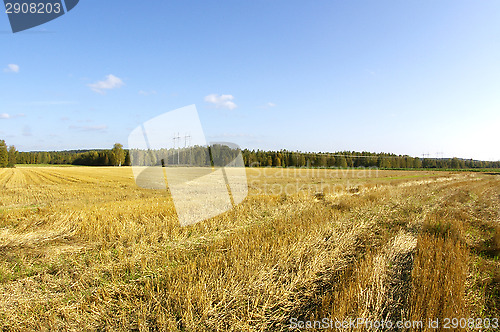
84 248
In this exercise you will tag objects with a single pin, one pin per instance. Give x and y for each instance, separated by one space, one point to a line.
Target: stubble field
84 248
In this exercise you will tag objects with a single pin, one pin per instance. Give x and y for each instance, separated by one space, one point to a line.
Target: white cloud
222 101
271 104
111 82
9 116
11 68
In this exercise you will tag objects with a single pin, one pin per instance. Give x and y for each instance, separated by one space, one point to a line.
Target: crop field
84 248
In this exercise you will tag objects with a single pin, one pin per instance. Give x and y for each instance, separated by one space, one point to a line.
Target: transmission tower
186 137
176 139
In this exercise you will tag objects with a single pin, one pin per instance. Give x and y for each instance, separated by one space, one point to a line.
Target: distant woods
344 159
118 156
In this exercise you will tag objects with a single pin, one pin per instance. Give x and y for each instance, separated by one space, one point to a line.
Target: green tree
455 163
323 161
386 163
417 163
277 161
127 159
301 161
269 161
4 155
119 154
342 162
12 156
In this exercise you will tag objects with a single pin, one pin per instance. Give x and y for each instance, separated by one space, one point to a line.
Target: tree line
344 159
221 155
116 156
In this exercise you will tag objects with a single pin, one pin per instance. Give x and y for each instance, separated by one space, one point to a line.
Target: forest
221 155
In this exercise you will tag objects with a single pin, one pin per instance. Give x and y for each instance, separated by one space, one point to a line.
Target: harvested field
84 248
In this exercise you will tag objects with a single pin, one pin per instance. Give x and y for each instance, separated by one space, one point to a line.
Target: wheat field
84 248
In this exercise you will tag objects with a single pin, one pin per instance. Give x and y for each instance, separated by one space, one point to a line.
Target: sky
406 77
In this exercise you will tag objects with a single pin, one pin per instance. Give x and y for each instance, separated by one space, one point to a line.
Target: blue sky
408 77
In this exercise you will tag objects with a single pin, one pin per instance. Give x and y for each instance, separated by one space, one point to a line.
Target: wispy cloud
11 68
147 93
268 105
222 101
99 128
5 116
111 82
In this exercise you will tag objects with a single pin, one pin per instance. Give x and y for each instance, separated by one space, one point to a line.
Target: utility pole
186 137
176 138
178 148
